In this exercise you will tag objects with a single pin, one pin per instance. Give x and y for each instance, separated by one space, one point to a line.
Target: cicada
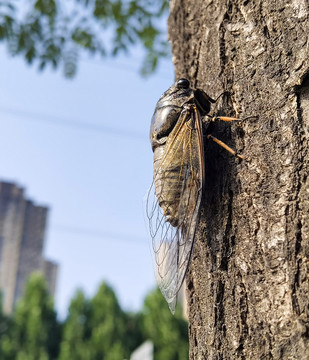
174 199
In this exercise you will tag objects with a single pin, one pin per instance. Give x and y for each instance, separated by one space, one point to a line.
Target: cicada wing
173 203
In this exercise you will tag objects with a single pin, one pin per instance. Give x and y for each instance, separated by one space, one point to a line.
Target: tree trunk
248 289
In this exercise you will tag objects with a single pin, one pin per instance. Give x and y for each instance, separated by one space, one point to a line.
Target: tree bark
248 291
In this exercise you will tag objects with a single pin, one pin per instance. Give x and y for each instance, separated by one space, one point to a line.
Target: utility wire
71 123
98 234
125 67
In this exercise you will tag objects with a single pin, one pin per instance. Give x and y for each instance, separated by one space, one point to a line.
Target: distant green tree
77 331
53 32
98 329
36 333
6 347
168 333
134 335
108 326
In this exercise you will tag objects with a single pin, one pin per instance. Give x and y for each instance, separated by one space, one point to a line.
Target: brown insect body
174 199
177 141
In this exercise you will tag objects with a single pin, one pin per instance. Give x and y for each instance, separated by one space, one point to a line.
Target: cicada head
167 111
169 107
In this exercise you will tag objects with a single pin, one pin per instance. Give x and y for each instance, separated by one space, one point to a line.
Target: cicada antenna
225 92
253 117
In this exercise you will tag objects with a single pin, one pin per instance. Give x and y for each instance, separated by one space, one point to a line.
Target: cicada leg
227 118
226 147
223 118
221 143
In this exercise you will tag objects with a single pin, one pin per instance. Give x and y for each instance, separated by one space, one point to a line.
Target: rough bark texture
248 289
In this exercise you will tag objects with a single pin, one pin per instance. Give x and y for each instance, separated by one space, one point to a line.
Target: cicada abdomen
174 201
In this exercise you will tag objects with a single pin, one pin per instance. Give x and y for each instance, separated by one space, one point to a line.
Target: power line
71 123
98 234
125 67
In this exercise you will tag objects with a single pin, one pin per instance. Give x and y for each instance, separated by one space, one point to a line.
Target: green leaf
45 33
83 38
46 7
30 54
102 9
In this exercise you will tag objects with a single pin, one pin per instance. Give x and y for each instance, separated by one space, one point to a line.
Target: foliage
99 329
107 325
76 332
6 350
95 328
35 332
134 332
51 32
169 333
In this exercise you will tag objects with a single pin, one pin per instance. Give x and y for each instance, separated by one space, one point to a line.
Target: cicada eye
183 84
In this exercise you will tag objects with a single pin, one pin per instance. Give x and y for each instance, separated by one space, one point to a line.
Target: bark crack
219 323
226 241
195 76
243 307
222 47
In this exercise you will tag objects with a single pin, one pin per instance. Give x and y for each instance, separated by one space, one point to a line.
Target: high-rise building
50 271
22 235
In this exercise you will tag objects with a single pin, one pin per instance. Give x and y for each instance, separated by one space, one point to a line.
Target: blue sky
93 178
